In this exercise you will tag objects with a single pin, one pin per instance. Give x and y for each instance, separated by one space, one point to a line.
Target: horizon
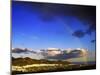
53 48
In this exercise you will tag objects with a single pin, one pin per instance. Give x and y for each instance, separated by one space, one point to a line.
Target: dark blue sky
30 31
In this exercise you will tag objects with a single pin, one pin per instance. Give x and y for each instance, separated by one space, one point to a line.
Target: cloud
22 50
18 52
91 57
85 14
65 56
75 57
93 41
62 56
88 31
78 33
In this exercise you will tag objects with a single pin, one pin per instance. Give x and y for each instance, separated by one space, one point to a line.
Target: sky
44 25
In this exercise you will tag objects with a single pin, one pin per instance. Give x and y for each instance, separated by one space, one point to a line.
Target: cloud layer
72 55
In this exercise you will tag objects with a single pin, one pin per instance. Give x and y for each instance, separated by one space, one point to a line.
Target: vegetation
29 61
62 66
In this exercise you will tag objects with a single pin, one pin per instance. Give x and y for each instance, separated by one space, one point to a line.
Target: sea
90 62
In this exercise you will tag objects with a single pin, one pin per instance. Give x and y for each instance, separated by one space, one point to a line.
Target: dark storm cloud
78 33
86 14
64 56
19 50
49 10
93 41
